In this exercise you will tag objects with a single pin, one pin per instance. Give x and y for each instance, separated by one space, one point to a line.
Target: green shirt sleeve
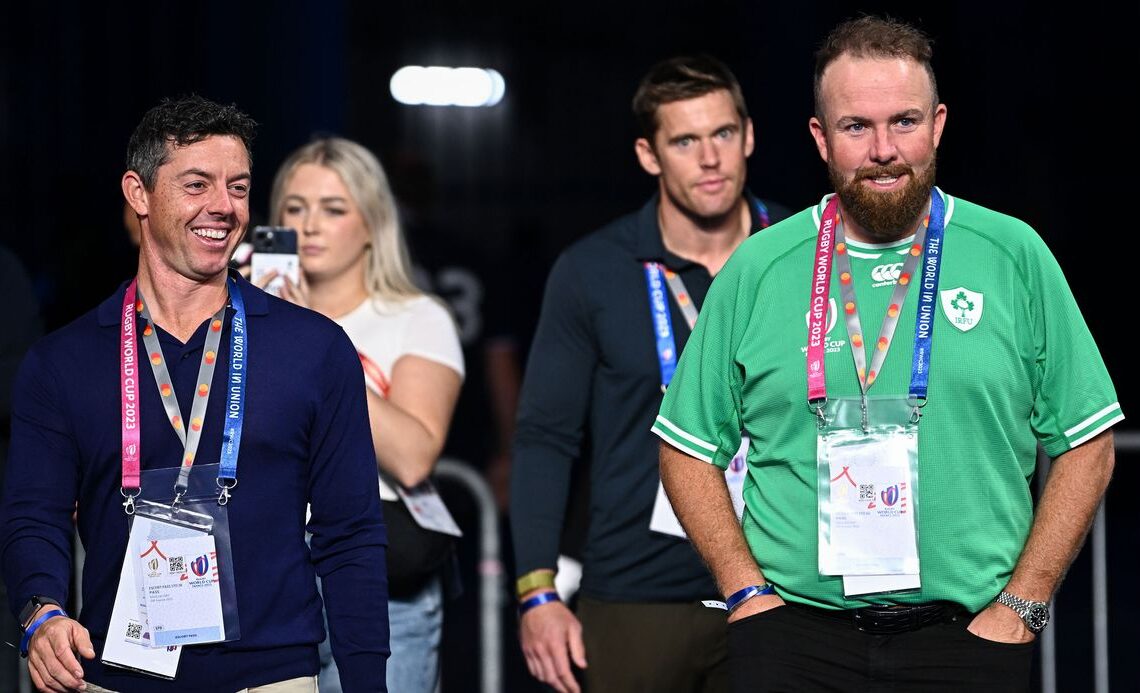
1075 398
701 412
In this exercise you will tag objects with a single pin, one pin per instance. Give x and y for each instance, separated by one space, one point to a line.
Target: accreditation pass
182 591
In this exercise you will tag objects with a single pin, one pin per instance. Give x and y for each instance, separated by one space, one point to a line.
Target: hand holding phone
274 248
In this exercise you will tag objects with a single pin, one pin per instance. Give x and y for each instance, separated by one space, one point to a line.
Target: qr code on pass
134 630
866 492
177 564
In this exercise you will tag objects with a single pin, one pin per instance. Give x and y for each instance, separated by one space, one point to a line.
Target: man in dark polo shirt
617 311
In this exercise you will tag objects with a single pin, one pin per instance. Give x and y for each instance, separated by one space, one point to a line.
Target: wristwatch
32 607
1035 614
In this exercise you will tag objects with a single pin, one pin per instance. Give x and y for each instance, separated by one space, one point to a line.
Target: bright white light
498 87
414 85
404 84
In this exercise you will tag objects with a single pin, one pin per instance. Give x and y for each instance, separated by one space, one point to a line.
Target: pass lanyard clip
225 486
129 503
817 407
916 409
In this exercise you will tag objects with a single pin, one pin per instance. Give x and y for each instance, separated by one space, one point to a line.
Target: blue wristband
740 596
538 600
35 626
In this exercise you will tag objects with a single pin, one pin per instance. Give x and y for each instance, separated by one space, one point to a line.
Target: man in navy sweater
101 399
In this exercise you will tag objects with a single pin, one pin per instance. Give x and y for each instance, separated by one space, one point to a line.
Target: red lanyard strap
375 374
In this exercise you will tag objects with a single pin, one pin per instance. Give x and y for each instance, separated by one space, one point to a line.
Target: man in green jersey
889 537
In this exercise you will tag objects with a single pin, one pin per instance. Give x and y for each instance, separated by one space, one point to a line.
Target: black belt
885 620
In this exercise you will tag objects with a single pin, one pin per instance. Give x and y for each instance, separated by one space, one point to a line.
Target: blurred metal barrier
1124 441
1049 636
490 571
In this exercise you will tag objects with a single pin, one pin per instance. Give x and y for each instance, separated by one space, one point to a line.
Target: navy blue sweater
305 440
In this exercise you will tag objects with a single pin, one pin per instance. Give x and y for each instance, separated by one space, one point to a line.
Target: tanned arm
1073 491
699 497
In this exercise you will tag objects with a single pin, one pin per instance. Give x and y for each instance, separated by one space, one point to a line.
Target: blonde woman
355 270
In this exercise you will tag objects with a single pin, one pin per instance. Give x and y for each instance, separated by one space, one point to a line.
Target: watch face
1037 617
28 610
32 606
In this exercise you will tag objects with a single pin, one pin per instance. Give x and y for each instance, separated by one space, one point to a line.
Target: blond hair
387 273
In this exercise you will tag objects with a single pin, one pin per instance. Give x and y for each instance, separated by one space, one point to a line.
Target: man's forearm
1076 484
699 497
356 606
540 490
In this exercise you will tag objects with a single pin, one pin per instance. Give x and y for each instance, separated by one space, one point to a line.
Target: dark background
1038 127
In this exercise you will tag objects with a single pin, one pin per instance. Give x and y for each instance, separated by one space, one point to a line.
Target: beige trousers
305 684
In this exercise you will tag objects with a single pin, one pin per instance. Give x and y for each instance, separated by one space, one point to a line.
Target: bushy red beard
885 216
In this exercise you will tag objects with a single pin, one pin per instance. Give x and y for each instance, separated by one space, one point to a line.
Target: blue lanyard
662 323
928 292
762 212
659 307
235 395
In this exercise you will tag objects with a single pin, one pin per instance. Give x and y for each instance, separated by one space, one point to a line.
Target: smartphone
274 248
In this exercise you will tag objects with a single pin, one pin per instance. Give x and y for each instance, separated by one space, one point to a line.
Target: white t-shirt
386 331
417 327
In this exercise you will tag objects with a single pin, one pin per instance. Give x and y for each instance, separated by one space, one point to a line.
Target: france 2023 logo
200 566
737 463
890 495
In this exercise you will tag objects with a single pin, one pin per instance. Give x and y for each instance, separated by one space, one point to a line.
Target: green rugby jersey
1013 363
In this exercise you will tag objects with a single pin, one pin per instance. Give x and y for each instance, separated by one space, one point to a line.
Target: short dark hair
873 37
181 122
678 79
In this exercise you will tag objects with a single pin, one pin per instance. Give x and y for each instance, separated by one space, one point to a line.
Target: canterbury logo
887 273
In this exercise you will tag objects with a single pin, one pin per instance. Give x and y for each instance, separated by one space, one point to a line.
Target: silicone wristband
533 580
538 600
35 626
740 596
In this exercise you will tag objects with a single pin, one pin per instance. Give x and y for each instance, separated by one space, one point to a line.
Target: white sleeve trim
691 438
683 448
1094 417
1111 422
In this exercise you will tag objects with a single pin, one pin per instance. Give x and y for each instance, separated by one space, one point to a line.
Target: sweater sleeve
40 489
349 539
23 324
553 409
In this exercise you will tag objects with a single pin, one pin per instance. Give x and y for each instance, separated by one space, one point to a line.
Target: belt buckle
888 621
872 621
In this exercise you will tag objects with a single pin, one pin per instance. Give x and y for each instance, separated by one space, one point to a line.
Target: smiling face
198 210
879 134
334 238
699 154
